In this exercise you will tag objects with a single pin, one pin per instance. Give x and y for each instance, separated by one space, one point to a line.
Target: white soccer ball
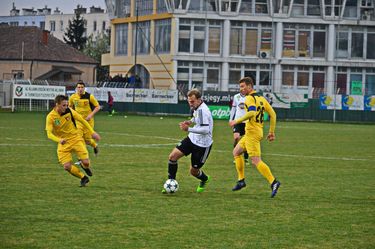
171 186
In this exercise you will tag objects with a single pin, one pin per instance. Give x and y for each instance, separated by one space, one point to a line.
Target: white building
97 21
288 46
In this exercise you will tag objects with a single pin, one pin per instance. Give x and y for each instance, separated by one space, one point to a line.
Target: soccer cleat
240 184
163 191
78 163
274 187
84 181
203 184
87 170
96 151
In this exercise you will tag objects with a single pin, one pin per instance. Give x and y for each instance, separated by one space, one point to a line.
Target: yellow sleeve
71 103
271 112
80 119
93 101
49 129
247 116
250 109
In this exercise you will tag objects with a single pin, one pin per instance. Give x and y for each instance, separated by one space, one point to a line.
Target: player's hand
187 122
88 117
96 136
62 141
232 123
184 126
271 136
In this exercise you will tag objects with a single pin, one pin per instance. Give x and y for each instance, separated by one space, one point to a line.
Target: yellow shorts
251 144
76 145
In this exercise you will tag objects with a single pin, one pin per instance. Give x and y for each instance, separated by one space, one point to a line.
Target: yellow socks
240 166
76 172
265 171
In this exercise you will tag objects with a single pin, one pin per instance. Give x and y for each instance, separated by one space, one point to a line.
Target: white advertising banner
330 102
140 96
37 92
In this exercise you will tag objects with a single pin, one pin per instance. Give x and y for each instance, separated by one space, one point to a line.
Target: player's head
246 85
80 87
61 103
194 98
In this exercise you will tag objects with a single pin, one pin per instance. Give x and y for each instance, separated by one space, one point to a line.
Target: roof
38 45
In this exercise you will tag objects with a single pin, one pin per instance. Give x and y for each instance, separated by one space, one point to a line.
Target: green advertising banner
356 87
220 112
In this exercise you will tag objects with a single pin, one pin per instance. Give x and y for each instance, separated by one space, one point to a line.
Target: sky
66 6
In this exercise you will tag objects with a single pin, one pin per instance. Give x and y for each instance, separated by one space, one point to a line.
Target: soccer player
86 105
61 127
255 105
198 143
237 111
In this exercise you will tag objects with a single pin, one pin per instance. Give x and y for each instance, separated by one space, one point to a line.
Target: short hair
60 98
194 92
247 81
80 82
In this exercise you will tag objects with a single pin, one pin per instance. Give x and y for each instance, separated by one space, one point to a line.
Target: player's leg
241 131
82 153
198 158
240 164
263 168
172 162
65 158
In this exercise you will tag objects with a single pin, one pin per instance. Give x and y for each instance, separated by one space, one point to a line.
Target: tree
74 35
95 48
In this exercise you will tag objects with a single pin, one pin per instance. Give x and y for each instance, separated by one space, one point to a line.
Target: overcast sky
66 6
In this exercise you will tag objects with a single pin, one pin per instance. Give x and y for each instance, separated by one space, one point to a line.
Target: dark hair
247 81
194 92
80 82
60 98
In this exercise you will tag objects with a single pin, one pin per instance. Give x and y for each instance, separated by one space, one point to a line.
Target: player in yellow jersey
61 127
86 105
255 105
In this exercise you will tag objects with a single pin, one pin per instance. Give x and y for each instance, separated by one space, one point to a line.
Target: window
341 81
236 40
342 44
370 82
141 37
357 45
163 36
264 75
180 4
121 46
313 8
289 43
52 26
319 44
246 6
213 76
195 36
261 7
94 26
103 25
42 25
302 77
318 79
61 25
145 7
229 5
350 10
304 43
370 44
161 7
234 74
288 76
355 77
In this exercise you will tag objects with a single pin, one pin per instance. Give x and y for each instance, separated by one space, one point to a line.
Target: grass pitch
326 199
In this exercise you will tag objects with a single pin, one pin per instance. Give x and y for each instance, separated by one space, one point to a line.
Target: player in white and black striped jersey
198 143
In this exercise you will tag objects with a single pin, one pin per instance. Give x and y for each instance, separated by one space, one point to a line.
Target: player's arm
79 118
50 135
95 103
271 112
203 123
232 111
71 103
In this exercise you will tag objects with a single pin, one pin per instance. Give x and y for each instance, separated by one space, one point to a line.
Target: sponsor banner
369 103
140 95
37 91
220 112
352 102
330 102
356 87
218 98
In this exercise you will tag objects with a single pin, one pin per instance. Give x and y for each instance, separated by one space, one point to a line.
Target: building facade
287 46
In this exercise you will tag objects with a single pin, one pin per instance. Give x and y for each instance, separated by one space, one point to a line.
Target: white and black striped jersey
201 133
238 107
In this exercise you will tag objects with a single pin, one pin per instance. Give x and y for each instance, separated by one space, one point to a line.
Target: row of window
52 25
25 23
207 76
248 39
296 8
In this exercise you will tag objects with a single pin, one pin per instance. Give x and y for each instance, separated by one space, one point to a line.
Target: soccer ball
171 186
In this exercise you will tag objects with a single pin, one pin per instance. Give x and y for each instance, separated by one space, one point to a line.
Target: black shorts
199 154
239 128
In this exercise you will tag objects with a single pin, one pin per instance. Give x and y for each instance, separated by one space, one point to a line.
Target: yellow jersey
83 104
257 105
64 126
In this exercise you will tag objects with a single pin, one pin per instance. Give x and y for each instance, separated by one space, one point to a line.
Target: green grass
326 200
